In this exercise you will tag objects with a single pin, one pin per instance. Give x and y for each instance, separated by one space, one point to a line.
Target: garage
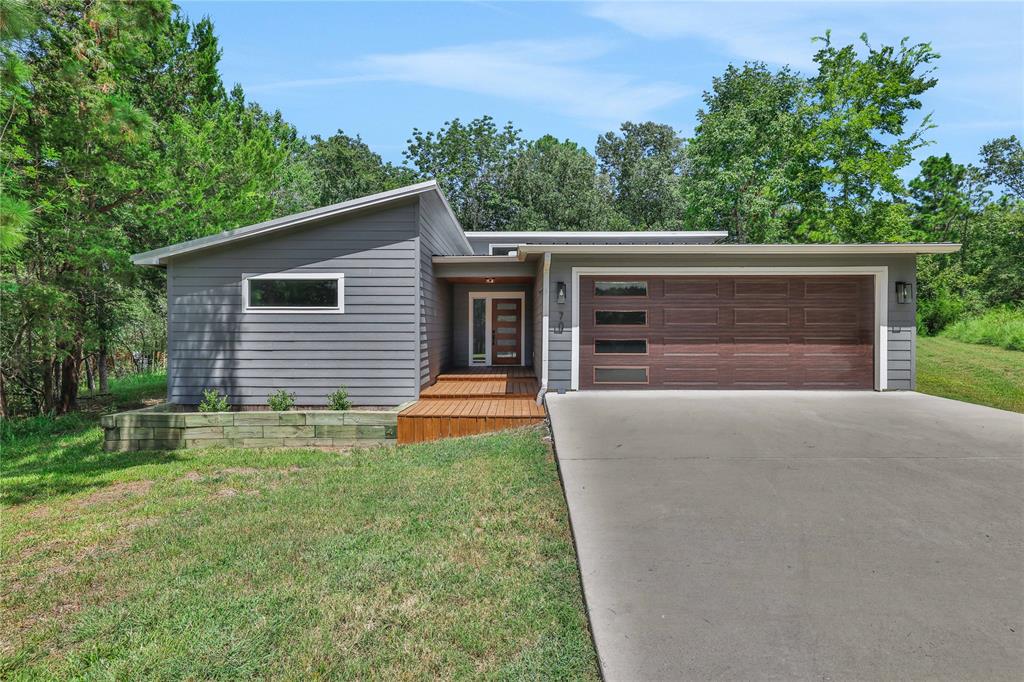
726 332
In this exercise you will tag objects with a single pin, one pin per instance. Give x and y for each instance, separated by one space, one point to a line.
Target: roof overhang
737 249
600 235
159 257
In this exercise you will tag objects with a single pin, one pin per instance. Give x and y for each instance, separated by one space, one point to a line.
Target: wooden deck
472 400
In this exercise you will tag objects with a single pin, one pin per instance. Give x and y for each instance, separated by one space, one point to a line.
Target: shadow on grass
44 457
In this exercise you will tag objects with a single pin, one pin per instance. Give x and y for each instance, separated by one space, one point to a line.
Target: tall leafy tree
644 163
344 167
1003 164
471 163
744 163
859 135
554 186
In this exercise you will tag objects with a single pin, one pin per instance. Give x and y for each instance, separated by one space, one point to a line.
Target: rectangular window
504 249
620 375
295 292
479 351
620 346
620 317
638 288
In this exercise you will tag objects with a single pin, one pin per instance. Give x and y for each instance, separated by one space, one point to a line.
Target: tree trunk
88 375
3 397
48 372
101 365
69 371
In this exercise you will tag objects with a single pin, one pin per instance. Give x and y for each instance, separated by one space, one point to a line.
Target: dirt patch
193 476
115 492
226 492
39 513
238 471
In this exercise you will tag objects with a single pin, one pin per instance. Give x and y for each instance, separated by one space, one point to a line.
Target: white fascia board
159 256
740 249
608 234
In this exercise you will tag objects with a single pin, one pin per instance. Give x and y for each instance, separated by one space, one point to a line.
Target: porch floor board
471 400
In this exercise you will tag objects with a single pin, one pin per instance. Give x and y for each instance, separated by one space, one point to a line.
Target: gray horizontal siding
370 348
439 236
901 356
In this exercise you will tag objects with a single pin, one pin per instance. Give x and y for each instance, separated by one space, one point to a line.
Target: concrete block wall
161 428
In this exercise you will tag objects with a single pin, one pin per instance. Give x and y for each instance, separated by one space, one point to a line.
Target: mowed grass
971 372
452 559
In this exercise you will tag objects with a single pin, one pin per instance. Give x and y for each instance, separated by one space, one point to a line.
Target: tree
471 163
644 166
344 167
856 114
1003 164
554 186
744 171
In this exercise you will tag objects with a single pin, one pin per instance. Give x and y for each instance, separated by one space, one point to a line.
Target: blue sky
575 70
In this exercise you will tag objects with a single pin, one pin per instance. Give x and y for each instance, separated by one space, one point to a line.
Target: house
384 293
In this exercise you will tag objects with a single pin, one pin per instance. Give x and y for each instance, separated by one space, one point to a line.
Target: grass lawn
451 559
971 372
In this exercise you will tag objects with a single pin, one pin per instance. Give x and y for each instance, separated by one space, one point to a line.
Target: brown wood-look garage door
740 332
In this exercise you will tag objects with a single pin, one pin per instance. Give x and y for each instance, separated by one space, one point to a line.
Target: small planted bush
339 400
213 401
281 401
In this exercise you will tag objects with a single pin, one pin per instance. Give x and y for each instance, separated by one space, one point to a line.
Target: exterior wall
438 236
460 318
900 361
372 348
537 319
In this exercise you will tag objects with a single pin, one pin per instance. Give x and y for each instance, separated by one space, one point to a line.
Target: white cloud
553 75
778 34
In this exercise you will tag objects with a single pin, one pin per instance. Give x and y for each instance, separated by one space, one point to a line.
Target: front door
506 331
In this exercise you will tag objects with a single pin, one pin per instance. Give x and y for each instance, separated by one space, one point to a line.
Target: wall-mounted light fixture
489 280
904 292
560 292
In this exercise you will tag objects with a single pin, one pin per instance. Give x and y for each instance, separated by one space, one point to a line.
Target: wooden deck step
482 388
436 418
487 373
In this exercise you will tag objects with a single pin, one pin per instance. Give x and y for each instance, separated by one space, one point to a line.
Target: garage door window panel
621 375
620 318
620 289
620 347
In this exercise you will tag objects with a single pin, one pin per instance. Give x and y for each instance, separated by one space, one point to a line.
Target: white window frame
340 308
488 295
880 273
513 252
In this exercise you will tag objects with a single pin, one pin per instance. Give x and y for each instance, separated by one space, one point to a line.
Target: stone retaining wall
162 428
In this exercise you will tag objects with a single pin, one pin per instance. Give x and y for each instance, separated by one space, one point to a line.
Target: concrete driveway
783 535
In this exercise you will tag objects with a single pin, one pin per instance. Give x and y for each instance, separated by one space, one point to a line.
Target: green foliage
470 161
744 163
213 401
344 167
644 166
281 401
1002 160
339 400
1002 327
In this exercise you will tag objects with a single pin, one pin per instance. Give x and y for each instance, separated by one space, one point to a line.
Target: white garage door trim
880 273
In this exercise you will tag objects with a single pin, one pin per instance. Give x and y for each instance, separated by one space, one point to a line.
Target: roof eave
742 249
158 257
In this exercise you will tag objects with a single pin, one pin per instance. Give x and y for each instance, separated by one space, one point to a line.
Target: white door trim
880 273
546 310
488 295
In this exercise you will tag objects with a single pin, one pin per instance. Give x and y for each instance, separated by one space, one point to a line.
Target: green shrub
1002 327
213 401
281 401
339 400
